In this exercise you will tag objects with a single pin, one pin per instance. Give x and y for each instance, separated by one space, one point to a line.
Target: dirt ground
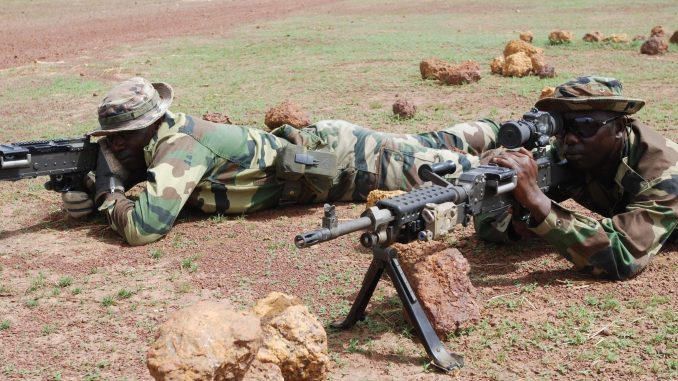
81 305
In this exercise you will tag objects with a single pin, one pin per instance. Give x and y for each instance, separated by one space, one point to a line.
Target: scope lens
513 135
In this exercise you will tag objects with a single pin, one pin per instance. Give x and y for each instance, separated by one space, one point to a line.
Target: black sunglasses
585 126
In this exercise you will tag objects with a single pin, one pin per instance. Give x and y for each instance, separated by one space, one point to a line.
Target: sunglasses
584 126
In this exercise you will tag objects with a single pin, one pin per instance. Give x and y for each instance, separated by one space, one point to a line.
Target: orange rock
404 109
516 46
286 113
593 37
497 64
654 46
517 65
560 37
617 38
547 92
527 36
658 31
430 67
468 72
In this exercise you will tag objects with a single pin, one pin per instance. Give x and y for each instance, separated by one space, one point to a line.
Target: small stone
404 109
467 72
593 37
654 46
546 71
527 36
430 67
560 37
377 195
674 38
658 31
286 113
547 92
217 117
617 39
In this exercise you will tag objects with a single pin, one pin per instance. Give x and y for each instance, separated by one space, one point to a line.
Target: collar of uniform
626 177
169 126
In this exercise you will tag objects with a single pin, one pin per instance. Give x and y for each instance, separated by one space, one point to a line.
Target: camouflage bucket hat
132 105
590 93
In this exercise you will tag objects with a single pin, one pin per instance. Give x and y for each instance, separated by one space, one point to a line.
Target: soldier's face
588 144
128 146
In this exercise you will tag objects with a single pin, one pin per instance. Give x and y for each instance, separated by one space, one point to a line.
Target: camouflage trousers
369 160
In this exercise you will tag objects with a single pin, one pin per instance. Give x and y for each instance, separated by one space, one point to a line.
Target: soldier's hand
78 204
527 191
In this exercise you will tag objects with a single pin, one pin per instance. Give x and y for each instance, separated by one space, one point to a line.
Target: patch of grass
31 303
5 324
107 301
156 254
48 329
36 283
5 290
190 264
124 294
65 281
76 291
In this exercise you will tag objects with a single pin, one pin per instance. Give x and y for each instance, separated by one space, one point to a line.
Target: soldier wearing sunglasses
629 175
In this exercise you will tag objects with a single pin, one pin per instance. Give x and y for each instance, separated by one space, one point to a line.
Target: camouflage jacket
640 210
231 169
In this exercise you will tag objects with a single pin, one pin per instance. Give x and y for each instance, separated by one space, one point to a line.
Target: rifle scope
532 131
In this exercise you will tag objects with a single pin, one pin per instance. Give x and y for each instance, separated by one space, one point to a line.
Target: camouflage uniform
231 169
640 210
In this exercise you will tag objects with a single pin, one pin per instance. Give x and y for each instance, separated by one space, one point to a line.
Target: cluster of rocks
612 38
448 73
520 58
278 339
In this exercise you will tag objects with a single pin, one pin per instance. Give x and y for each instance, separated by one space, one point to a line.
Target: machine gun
65 161
431 211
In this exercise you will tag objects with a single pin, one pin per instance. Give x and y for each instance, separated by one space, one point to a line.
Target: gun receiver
65 161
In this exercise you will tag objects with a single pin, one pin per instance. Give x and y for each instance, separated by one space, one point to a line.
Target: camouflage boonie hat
132 105
590 93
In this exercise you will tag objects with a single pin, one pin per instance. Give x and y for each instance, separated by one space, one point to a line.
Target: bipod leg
439 355
369 284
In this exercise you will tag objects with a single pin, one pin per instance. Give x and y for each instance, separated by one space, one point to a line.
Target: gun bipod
386 258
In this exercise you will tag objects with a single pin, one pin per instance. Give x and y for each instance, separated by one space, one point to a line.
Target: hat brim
166 95
615 104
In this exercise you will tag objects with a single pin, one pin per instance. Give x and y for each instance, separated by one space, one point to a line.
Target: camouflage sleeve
177 167
621 246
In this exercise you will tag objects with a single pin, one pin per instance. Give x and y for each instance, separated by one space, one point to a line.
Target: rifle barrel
317 236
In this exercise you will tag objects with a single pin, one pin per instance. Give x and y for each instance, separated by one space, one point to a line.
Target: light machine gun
65 161
431 211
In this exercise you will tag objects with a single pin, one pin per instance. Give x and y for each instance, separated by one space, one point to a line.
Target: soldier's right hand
78 204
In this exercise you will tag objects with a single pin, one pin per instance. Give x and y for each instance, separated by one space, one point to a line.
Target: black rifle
65 161
432 211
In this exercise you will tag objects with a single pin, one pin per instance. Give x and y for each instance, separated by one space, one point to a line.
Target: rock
294 339
404 108
560 37
516 46
468 72
497 64
674 38
538 62
546 71
639 37
206 341
286 113
617 39
547 92
217 117
430 67
263 371
593 37
377 195
527 36
658 31
654 46
439 277
517 65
